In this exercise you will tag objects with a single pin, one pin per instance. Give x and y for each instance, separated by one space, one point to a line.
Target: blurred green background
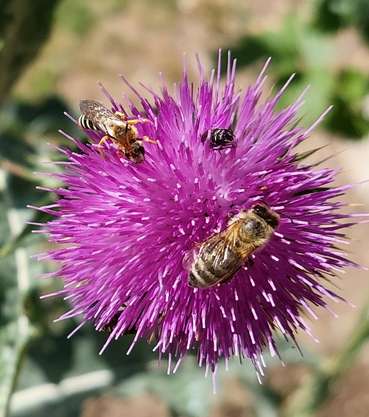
52 53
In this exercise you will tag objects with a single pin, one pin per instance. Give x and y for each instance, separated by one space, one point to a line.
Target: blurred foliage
305 49
80 16
332 15
307 400
15 330
22 317
21 37
350 99
37 350
187 393
34 119
76 16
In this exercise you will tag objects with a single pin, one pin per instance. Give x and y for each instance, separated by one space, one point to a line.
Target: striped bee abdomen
86 123
214 264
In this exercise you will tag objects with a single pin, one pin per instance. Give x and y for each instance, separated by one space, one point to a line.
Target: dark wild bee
219 138
109 327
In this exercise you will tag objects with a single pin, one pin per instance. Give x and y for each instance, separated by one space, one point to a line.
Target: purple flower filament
123 229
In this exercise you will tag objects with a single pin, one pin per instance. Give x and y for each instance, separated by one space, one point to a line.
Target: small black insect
219 138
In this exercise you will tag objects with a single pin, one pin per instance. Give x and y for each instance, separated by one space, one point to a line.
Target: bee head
136 153
219 138
268 215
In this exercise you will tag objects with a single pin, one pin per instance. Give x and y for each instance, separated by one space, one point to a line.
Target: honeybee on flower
130 226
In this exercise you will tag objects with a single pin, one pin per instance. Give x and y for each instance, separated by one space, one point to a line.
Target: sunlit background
52 54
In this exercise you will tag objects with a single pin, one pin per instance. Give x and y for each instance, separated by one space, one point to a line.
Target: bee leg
102 141
250 262
136 121
147 139
197 336
121 152
152 337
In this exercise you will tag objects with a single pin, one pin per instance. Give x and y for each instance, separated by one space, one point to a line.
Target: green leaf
281 45
16 241
24 120
14 337
325 18
317 50
332 15
14 284
349 118
318 97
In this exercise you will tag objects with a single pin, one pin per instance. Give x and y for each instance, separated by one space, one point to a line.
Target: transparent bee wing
189 258
223 255
95 111
231 234
243 248
223 251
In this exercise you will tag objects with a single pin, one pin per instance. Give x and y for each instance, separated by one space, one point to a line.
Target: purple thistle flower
122 230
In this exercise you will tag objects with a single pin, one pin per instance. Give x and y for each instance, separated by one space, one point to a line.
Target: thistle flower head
123 230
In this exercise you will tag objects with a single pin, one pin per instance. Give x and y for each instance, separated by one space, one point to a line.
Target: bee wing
189 258
222 247
95 111
231 235
211 244
224 256
219 247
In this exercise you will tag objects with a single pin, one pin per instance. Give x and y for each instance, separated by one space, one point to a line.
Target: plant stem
316 390
33 399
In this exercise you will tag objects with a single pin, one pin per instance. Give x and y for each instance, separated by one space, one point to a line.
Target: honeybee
116 127
219 138
223 254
